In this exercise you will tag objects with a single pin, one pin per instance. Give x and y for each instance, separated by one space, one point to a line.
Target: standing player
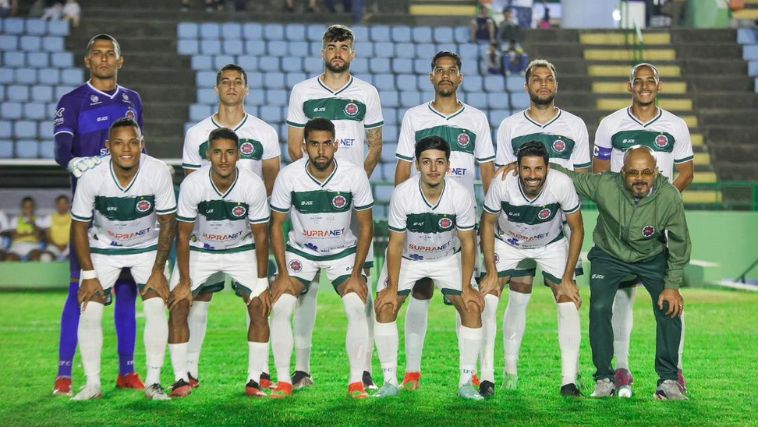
259 154
643 123
215 207
319 194
82 120
123 198
523 219
431 222
565 138
467 132
354 108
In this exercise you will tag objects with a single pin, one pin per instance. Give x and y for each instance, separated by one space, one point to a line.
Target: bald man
641 231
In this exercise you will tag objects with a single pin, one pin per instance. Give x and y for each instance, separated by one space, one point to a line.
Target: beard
337 68
542 102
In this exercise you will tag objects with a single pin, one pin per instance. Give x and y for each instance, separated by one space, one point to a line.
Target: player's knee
178 314
601 308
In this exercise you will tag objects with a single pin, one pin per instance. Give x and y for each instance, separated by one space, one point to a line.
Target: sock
179 360
514 324
415 330
90 334
489 334
125 318
305 320
370 320
622 321
469 343
356 340
69 330
681 345
198 322
156 336
281 336
386 337
257 360
569 338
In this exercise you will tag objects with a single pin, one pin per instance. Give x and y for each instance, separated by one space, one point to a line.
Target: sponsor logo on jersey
143 206
239 211
648 231
102 119
463 139
559 145
511 241
339 201
311 246
457 171
246 149
661 140
445 223
324 234
544 213
346 142
296 265
104 152
415 257
351 109
59 112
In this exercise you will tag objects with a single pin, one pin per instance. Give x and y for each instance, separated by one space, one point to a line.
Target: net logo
347 142
559 146
457 171
648 231
351 109
239 211
544 214
143 206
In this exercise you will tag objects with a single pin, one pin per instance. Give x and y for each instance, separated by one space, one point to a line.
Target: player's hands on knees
265 302
90 289
568 289
283 284
387 296
356 284
674 300
469 296
490 284
158 283
182 292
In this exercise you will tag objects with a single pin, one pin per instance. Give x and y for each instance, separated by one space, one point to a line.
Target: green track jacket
631 231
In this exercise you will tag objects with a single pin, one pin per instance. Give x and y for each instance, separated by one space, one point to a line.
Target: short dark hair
532 149
222 133
231 67
448 54
319 124
338 33
62 197
432 143
123 123
104 36
27 199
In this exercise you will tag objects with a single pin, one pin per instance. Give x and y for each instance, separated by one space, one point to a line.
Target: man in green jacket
642 231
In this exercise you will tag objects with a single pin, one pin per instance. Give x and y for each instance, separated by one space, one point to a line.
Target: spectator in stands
4 239
355 7
57 229
25 233
483 27
544 23
515 60
53 13
290 5
492 62
523 9
210 5
8 8
72 12
36 9
508 32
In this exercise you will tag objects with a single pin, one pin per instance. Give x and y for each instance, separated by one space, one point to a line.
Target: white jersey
430 230
353 108
467 131
531 224
222 219
565 138
124 218
667 135
257 142
320 212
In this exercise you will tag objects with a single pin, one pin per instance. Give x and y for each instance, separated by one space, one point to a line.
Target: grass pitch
722 342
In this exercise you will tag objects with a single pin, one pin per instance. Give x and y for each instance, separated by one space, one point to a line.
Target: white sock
569 339
281 336
356 341
155 337
489 334
305 320
179 360
622 321
415 330
198 322
90 334
370 320
681 345
469 343
386 337
514 324
257 360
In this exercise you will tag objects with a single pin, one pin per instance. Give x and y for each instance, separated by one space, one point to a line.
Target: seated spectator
523 10
25 233
72 12
515 60
492 62
289 5
53 13
7 8
508 31
483 27
58 229
210 5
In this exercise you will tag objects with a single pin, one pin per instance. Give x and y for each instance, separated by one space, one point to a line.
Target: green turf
719 363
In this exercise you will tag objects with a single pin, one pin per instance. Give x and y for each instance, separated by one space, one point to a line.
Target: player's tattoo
374 137
165 238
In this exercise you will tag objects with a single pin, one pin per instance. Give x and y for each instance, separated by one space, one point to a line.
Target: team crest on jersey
296 265
559 145
130 115
463 139
94 99
661 140
247 149
339 201
648 231
239 211
544 214
125 97
351 109
445 223
143 206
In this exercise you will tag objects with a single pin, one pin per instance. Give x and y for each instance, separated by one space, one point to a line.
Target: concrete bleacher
35 71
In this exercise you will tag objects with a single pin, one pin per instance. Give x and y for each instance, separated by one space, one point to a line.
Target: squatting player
222 227
432 236
123 198
82 120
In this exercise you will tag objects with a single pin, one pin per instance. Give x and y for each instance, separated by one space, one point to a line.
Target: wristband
88 274
262 283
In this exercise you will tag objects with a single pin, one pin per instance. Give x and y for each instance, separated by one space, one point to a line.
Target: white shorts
305 268
23 249
204 266
444 272
551 259
108 267
528 267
